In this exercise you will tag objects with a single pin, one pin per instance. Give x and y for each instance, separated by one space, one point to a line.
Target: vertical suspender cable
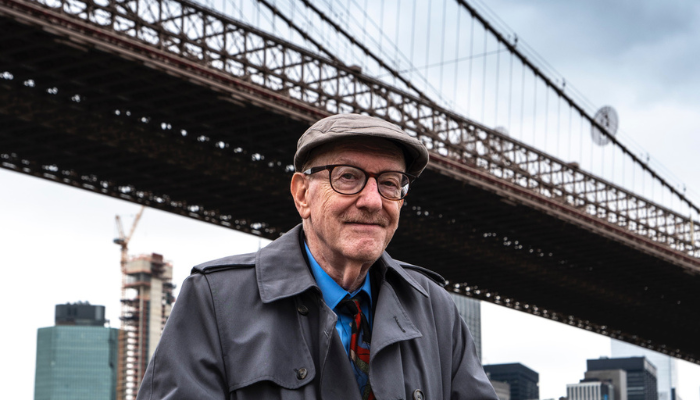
442 49
534 110
570 133
471 54
396 36
522 106
498 78
454 94
427 43
592 162
483 82
413 35
558 124
546 117
274 19
510 92
364 31
381 28
580 147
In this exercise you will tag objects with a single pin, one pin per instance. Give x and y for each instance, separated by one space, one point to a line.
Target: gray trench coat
255 326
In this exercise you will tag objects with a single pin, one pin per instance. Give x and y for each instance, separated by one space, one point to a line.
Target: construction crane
123 240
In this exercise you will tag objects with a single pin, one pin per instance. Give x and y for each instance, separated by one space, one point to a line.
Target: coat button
418 395
301 373
303 310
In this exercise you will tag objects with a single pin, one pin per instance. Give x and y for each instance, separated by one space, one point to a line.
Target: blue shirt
334 293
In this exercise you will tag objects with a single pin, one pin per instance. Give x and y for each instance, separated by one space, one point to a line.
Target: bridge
177 106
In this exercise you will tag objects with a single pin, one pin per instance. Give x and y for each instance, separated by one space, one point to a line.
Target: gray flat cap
341 126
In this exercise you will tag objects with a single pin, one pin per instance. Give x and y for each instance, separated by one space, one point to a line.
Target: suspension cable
512 48
363 48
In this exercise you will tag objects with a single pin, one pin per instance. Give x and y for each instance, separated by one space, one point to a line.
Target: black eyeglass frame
368 175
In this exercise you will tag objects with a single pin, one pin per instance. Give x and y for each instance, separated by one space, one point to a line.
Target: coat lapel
392 325
281 269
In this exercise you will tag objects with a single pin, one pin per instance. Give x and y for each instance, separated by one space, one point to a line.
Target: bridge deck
182 144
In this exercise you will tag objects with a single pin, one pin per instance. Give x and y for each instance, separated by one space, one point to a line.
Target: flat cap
342 126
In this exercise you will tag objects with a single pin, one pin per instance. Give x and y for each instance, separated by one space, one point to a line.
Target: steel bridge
172 105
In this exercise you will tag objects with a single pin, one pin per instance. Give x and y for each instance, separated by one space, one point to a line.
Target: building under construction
147 298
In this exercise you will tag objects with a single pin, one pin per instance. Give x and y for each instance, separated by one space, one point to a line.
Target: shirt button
303 310
418 395
301 373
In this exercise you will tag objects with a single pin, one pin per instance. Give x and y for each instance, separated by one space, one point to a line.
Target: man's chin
366 252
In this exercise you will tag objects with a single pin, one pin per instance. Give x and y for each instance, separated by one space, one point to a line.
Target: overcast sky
639 56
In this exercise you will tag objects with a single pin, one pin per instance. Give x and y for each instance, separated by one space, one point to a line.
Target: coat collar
282 270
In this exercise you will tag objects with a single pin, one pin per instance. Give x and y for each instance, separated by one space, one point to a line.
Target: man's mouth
369 223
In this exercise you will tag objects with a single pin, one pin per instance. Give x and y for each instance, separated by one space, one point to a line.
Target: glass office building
666 375
641 375
470 310
76 362
524 382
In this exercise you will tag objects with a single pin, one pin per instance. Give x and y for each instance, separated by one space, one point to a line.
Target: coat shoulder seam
434 276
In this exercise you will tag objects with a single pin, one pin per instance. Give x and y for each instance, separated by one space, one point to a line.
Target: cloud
648 47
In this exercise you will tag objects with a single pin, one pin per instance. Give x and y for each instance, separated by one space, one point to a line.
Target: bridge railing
211 40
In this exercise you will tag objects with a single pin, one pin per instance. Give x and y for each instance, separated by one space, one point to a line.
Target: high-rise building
666 375
674 395
147 298
617 377
502 390
641 375
590 390
77 358
80 313
524 382
470 310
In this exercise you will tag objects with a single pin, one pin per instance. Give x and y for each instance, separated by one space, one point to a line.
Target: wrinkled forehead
335 151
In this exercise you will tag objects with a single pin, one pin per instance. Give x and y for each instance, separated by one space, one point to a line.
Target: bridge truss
169 104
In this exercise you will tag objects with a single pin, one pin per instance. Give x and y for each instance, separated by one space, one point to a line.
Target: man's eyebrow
346 161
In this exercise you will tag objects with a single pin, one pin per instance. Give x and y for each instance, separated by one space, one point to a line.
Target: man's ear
300 192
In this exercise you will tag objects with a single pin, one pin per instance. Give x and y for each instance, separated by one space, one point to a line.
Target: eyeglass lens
351 180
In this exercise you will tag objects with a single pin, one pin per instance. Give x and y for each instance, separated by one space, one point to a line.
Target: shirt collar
331 291
275 283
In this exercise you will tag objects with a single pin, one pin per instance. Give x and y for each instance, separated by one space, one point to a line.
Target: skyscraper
470 310
77 358
617 377
524 382
641 375
147 298
666 375
502 390
590 390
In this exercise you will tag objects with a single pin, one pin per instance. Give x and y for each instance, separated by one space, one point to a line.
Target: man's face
352 227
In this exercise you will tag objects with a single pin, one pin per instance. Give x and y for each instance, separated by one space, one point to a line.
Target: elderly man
324 311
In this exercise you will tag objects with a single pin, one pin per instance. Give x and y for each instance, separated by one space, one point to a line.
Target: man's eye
391 184
348 176
391 181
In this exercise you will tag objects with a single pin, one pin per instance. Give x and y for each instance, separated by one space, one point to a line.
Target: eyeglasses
349 180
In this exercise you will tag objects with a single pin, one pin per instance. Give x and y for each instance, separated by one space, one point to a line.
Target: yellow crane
123 240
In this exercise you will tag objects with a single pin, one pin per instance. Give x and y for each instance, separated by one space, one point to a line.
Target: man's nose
370 197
